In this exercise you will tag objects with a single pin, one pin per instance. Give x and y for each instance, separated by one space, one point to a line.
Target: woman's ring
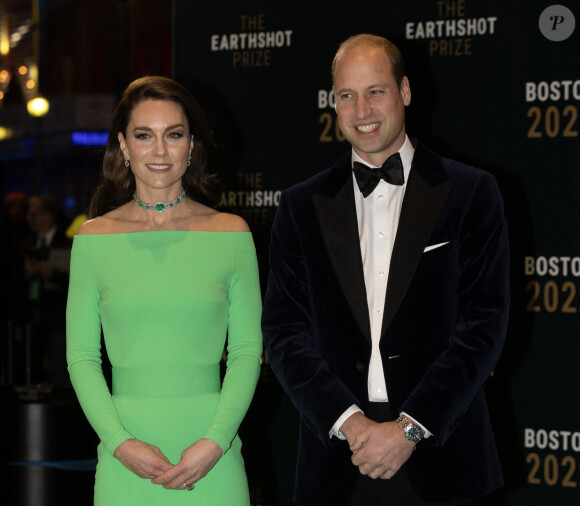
188 486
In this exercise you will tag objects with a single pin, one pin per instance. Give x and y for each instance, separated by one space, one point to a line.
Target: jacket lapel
335 209
425 196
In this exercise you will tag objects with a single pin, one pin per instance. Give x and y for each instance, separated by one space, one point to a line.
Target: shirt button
381 234
379 311
381 274
379 197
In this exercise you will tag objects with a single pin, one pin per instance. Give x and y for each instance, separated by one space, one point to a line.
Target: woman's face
157 144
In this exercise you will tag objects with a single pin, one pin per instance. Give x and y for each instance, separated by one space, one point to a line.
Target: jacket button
360 367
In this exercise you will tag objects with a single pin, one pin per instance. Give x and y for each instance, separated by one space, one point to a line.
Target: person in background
167 279
46 269
387 306
16 238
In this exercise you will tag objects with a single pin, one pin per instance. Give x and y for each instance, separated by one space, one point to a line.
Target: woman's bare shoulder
212 220
99 225
109 223
226 222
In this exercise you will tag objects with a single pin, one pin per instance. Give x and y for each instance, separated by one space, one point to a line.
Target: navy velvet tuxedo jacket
444 323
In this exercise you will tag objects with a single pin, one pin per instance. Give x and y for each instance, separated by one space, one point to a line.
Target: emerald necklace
159 206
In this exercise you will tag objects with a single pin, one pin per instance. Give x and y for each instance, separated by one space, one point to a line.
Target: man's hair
367 39
46 204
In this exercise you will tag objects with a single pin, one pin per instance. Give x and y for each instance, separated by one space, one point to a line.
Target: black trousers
394 492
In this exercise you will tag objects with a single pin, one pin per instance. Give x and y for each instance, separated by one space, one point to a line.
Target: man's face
369 104
40 221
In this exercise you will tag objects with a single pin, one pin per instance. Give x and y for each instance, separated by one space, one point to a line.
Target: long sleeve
244 347
288 323
84 349
455 377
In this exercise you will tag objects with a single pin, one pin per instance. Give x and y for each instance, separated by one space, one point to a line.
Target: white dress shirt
378 219
46 238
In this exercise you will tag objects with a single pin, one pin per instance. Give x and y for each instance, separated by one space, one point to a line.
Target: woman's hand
143 459
196 461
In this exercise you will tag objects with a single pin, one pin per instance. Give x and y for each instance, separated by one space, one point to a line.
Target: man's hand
45 270
30 267
354 425
380 450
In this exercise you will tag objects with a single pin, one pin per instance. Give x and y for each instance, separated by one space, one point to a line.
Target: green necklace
159 206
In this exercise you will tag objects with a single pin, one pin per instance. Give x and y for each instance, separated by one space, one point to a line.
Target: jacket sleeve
456 376
289 334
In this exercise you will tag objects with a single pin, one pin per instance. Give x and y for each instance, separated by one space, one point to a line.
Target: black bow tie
368 179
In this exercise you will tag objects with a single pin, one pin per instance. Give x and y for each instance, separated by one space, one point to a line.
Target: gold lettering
250 180
254 22
450 8
255 58
450 47
254 215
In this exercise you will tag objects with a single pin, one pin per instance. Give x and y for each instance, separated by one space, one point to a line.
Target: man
46 269
15 236
388 300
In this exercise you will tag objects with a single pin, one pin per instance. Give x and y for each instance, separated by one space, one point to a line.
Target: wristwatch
412 431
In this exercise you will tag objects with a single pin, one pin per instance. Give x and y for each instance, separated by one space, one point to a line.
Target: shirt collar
48 236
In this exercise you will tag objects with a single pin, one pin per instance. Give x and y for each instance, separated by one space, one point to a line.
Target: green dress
166 301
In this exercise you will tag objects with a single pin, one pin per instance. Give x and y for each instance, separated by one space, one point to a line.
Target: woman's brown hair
118 182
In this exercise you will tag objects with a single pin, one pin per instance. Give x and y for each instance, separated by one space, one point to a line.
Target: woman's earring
189 160
126 162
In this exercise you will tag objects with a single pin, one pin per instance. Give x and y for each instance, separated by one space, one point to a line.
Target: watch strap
407 424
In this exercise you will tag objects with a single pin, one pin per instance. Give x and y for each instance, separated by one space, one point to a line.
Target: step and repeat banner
494 84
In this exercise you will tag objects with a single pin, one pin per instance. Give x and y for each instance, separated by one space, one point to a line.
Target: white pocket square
433 246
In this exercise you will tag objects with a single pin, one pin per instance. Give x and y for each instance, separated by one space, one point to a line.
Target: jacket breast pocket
439 252
433 246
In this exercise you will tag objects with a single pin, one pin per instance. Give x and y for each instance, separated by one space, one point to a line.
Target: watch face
413 433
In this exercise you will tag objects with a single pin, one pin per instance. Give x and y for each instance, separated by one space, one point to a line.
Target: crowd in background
36 240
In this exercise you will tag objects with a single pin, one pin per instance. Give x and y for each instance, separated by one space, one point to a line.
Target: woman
165 277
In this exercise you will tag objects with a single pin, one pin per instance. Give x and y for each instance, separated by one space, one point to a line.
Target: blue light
89 138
